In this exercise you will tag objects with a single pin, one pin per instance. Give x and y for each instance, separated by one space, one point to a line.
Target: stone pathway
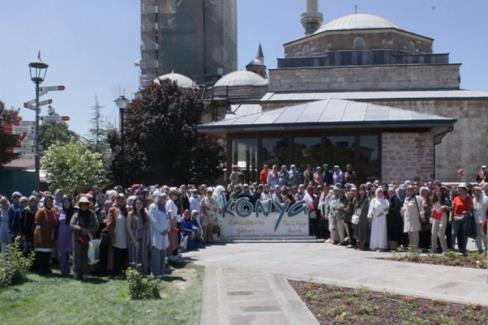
246 283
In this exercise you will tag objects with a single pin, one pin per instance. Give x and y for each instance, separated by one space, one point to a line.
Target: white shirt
120 232
172 210
194 204
159 223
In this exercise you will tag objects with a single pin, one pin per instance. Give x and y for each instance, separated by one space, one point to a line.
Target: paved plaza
246 283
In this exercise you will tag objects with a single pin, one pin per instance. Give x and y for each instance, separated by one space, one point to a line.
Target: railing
363 57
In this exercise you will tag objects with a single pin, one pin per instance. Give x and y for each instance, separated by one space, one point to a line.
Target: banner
242 219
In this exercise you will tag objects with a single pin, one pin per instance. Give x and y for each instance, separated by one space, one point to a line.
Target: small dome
241 78
256 61
356 21
181 80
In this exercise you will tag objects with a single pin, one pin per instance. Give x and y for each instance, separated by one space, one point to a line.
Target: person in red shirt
462 206
263 175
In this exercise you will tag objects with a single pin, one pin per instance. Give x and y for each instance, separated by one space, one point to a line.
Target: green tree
98 133
72 167
161 143
52 131
7 141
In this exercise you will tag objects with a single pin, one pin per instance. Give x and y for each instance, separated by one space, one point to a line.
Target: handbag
355 217
94 251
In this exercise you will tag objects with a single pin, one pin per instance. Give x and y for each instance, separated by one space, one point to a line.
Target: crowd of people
409 215
139 226
143 226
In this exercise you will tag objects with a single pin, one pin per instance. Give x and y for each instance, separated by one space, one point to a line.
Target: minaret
257 64
312 18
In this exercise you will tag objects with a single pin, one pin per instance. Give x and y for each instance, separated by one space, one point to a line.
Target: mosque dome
181 80
256 61
356 21
241 78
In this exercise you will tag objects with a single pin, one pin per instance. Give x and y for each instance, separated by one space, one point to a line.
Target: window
339 150
244 155
369 158
273 151
359 43
307 150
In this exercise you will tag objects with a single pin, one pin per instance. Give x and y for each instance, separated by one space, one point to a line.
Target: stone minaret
312 18
257 64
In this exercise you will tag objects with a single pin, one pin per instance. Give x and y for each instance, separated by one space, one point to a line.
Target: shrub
14 266
140 287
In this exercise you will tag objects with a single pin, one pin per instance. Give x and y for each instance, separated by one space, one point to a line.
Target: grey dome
181 80
241 78
356 21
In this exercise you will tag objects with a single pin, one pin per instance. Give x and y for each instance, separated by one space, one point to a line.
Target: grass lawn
477 260
56 300
337 305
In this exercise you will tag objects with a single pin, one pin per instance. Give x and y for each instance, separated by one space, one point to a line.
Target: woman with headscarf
394 219
425 210
64 234
4 223
160 225
27 224
480 205
209 210
44 233
361 208
336 212
378 210
411 217
84 224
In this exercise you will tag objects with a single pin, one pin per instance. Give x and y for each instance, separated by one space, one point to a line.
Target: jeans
459 233
158 257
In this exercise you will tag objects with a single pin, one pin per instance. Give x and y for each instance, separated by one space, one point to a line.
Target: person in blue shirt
13 213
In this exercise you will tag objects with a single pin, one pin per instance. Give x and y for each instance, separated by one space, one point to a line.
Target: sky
91 45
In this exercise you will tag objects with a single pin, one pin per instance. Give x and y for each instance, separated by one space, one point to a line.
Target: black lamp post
122 102
37 71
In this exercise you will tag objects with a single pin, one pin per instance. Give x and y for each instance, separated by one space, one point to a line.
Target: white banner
241 219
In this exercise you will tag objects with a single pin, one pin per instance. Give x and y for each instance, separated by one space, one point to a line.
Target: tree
54 130
161 143
72 167
98 132
8 141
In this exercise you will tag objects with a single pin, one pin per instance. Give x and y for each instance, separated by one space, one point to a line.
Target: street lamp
122 102
37 71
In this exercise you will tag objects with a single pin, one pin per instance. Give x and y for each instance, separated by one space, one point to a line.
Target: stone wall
343 40
407 156
364 78
466 146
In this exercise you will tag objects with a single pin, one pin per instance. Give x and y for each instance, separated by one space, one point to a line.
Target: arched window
359 43
411 47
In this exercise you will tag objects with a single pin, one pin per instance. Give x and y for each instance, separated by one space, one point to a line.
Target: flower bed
337 305
473 259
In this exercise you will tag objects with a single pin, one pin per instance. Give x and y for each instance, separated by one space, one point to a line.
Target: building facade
365 59
196 38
